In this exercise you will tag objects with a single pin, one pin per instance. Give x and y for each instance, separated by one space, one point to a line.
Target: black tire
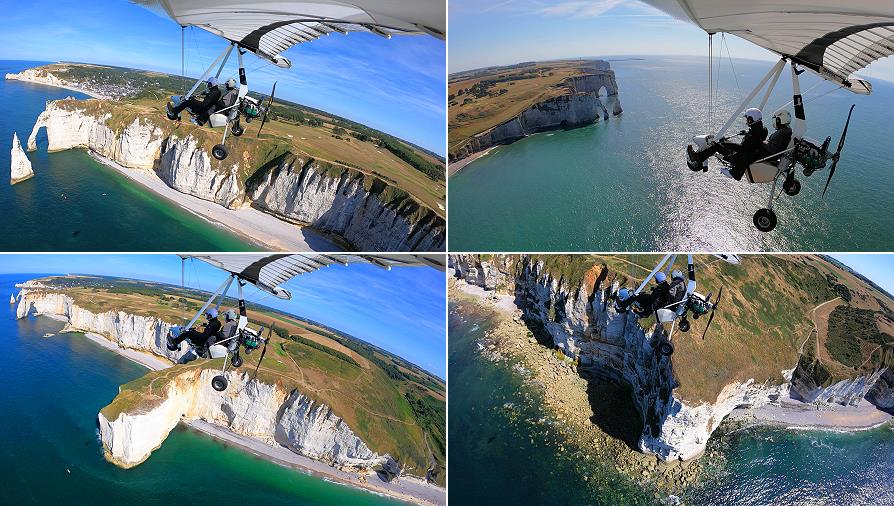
684 325
237 360
219 151
237 129
765 220
665 348
219 383
792 187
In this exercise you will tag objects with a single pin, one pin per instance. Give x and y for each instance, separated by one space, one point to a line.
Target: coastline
408 489
455 167
267 231
91 94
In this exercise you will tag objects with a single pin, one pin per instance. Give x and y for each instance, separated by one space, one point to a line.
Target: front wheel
792 187
665 348
219 151
237 360
219 383
684 325
765 220
237 129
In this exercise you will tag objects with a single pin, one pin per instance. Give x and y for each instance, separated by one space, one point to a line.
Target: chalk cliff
577 104
611 345
269 412
363 210
20 165
263 411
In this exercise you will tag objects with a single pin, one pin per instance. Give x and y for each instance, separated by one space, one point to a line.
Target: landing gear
684 325
237 129
237 359
219 383
791 187
765 219
665 348
219 151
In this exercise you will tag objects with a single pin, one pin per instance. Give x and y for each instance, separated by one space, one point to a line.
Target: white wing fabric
267 272
267 28
833 38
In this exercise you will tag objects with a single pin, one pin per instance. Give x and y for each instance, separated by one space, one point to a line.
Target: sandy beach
793 414
259 227
408 489
454 167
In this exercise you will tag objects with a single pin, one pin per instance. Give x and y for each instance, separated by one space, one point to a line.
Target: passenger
229 97
677 289
200 108
780 139
647 301
197 338
739 155
230 326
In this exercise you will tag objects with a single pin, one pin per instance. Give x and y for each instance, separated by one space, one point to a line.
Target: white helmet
677 274
231 83
754 113
782 118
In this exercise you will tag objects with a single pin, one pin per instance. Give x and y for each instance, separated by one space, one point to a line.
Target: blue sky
402 310
877 267
396 85
510 31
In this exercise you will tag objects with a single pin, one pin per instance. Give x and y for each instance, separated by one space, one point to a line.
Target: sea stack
21 166
12 299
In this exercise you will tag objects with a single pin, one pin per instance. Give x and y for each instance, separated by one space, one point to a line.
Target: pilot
201 108
739 155
196 337
779 139
647 301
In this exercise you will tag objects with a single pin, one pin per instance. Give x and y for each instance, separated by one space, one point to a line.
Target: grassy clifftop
767 318
391 404
304 132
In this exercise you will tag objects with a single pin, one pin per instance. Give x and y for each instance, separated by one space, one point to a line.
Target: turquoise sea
623 185
74 203
509 458
50 451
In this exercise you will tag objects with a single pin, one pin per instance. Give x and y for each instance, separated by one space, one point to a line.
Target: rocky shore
563 386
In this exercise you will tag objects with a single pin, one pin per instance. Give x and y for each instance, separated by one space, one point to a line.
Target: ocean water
49 445
623 185
74 203
507 462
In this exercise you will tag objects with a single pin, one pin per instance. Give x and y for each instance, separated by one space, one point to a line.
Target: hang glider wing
268 272
833 38
269 27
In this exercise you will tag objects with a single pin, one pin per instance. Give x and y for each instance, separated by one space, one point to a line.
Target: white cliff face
300 190
20 166
248 407
614 345
302 193
186 167
126 330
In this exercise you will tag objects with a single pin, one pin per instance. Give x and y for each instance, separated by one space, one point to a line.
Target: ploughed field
392 405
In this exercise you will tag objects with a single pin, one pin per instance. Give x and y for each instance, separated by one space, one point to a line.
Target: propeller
267 109
713 308
837 154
